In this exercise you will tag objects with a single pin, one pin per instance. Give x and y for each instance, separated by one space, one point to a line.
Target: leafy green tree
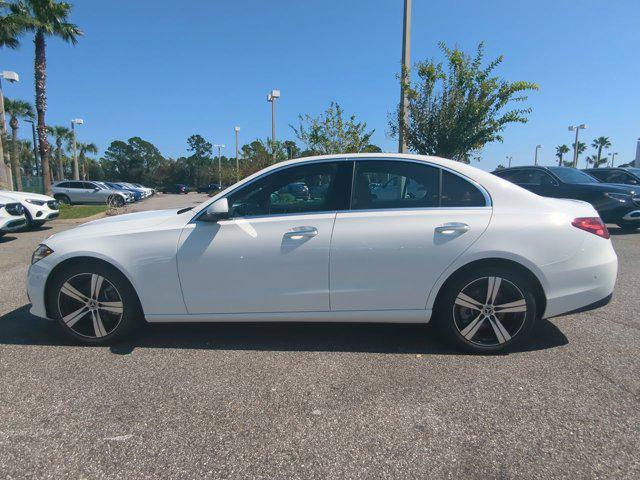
372 149
330 132
60 134
457 108
600 143
595 161
293 151
17 109
134 160
581 149
561 150
45 18
200 161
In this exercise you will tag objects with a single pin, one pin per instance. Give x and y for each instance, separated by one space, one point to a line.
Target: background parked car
176 188
617 204
209 187
37 208
147 190
73 191
11 215
137 195
626 176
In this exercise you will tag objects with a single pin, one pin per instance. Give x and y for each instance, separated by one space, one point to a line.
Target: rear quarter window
458 192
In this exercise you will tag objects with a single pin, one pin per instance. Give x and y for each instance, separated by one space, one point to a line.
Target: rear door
389 250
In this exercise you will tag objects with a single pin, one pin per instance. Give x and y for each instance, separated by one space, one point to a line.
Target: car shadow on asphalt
19 327
7 239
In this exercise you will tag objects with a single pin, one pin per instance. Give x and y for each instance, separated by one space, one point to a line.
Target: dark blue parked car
117 186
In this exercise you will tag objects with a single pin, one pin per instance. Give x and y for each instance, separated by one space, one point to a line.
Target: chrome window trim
485 193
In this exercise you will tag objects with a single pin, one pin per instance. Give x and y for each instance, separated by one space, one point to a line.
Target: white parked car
11 215
37 208
480 255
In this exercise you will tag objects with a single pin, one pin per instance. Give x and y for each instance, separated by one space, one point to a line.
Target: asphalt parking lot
317 401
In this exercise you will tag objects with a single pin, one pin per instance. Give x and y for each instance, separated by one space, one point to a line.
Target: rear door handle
301 232
451 228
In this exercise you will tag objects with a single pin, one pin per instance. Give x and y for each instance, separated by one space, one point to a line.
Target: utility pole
535 161
403 118
271 97
74 122
219 147
237 129
577 128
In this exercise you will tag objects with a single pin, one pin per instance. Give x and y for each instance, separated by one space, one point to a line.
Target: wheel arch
539 292
86 259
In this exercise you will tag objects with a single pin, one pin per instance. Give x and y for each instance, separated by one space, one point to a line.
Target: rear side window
63 185
458 192
393 184
75 185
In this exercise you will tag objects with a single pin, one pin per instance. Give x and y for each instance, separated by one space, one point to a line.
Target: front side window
394 184
458 192
316 187
77 185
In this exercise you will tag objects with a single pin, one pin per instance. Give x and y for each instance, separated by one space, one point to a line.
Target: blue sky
165 70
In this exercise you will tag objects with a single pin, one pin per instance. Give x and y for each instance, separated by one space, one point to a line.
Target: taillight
592 225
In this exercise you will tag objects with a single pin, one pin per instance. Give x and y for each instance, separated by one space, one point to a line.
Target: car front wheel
487 310
93 303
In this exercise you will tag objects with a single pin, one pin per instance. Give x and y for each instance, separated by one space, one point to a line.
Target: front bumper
633 216
36 281
13 225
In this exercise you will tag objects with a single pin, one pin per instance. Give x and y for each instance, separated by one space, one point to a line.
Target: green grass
80 211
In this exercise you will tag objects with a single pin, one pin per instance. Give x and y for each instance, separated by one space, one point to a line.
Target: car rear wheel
487 310
628 226
93 303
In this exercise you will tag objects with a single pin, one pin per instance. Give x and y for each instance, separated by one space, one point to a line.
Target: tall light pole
271 97
509 158
219 146
404 77
237 129
613 157
577 129
74 122
6 180
535 160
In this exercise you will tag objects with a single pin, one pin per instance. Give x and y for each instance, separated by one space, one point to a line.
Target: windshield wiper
182 210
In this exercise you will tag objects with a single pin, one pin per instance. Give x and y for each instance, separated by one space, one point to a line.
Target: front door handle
452 228
301 232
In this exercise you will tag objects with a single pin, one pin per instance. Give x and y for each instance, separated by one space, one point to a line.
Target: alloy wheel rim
90 305
489 311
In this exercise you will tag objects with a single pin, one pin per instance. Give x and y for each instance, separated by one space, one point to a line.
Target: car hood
609 187
24 195
129 223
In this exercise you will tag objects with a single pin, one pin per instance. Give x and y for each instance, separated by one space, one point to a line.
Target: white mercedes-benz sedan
343 238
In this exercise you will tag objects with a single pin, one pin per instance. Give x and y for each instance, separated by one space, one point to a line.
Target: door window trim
487 197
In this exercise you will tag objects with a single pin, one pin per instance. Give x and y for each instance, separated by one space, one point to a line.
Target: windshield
572 175
635 171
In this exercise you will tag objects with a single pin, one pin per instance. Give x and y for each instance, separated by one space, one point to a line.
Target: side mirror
218 210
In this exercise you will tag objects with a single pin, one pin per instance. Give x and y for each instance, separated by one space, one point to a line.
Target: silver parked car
74 191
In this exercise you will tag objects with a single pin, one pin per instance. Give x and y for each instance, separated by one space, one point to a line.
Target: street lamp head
538 146
571 128
583 126
275 94
10 76
77 121
237 129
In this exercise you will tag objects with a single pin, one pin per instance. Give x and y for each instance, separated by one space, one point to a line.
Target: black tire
116 201
487 335
83 328
62 198
628 226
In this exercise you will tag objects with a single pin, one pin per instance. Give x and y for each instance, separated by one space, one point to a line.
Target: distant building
637 161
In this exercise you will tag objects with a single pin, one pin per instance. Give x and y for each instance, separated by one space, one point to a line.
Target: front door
273 254
389 250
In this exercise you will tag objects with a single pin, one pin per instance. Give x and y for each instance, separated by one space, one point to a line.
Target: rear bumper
584 281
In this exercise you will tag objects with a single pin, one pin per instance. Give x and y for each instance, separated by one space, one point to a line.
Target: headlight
35 202
620 197
41 252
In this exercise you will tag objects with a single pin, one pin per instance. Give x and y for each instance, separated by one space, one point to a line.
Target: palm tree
17 109
600 143
60 134
83 149
581 148
560 151
45 18
10 29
